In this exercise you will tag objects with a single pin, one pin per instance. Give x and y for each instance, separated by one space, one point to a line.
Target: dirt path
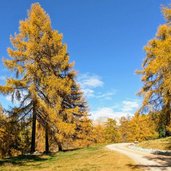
145 160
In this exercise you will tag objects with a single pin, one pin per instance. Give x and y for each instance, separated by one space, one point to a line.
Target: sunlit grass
162 144
90 159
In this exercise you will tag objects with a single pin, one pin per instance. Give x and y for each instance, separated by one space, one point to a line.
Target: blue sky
105 38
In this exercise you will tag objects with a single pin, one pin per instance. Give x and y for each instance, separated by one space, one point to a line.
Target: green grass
162 144
89 159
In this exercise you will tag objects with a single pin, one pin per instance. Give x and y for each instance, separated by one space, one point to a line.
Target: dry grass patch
161 144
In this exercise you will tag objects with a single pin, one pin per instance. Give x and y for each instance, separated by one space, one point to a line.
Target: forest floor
96 158
145 159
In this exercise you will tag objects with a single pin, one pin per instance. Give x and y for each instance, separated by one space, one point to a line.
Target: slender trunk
60 146
46 140
168 113
33 140
168 117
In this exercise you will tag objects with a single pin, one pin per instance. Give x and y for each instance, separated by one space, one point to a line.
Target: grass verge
161 144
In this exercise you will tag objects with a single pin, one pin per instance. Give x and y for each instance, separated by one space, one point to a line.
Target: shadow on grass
72 149
37 160
146 167
163 160
21 160
162 153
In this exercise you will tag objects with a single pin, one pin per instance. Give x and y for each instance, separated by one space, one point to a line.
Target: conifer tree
111 131
76 126
124 129
99 133
156 72
141 128
45 81
2 131
36 47
83 133
11 136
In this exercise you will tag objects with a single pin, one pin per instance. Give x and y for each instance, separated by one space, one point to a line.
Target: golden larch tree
35 48
156 72
45 83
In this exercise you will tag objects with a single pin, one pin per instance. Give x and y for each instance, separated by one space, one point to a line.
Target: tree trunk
168 114
33 140
60 146
168 117
46 140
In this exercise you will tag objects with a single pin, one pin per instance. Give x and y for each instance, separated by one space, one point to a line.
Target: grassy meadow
96 158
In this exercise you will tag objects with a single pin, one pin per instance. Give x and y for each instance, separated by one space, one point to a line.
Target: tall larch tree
156 72
40 62
45 82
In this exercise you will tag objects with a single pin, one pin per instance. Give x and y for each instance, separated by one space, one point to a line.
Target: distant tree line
127 129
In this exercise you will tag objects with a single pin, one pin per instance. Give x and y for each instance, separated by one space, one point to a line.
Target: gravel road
144 159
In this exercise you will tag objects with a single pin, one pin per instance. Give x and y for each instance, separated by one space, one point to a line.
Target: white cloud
125 108
128 106
102 114
107 112
93 82
89 82
88 92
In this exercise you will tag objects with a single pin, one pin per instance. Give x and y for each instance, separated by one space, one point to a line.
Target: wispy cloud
2 78
128 106
106 95
88 92
89 82
8 98
93 87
